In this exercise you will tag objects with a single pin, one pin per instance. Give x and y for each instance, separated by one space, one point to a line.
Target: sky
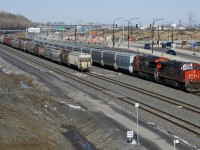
104 11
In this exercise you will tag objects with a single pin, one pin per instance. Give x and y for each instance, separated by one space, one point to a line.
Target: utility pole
75 34
114 31
172 35
154 20
129 22
76 30
158 36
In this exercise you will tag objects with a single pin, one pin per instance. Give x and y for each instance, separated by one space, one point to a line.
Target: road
184 55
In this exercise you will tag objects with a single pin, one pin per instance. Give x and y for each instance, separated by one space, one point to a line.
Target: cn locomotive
178 74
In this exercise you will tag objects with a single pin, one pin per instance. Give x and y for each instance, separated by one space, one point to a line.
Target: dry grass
163 35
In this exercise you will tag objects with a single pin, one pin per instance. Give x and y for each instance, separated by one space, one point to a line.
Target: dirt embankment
31 120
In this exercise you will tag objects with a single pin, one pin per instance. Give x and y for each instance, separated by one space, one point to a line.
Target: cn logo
193 76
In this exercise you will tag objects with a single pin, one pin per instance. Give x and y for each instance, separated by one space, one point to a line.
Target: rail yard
99 75
160 108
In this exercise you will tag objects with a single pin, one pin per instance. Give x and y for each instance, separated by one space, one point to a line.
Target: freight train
178 74
115 60
80 60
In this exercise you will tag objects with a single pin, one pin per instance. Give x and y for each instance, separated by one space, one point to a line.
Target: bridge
11 31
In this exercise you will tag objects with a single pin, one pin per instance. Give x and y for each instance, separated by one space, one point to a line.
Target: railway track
197 94
159 113
149 93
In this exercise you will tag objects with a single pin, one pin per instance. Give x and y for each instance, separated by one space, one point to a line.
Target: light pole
96 30
137 105
175 142
132 26
129 22
172 35
158 36
154 20
128 32
76 30
52 33
182 39
114 31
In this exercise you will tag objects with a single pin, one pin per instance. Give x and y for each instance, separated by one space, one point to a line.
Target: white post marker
175 142
137 105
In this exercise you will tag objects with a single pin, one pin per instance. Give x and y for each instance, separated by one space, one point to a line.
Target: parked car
171 52
147 46
167 45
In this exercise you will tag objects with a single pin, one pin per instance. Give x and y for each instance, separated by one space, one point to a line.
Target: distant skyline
105 11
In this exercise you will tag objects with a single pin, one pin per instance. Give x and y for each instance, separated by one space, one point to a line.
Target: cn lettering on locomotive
193 76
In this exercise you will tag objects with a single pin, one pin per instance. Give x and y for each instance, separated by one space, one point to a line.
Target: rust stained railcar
64 56
8 40
39 50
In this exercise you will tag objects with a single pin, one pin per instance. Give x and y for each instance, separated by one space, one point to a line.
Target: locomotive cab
191 74
182 75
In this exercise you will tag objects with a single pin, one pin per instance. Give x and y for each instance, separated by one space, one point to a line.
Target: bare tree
13 22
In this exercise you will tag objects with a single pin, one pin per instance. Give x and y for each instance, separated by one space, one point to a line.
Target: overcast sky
104 11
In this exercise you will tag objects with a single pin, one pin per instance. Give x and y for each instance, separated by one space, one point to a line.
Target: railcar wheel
151 78
182 87
133 73
59 61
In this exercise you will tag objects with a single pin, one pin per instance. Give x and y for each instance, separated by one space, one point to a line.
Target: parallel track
149 93
159 113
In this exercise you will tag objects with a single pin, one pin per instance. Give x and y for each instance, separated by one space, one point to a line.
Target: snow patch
80 74
8 68
24 86
72 106
97 73
110 75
